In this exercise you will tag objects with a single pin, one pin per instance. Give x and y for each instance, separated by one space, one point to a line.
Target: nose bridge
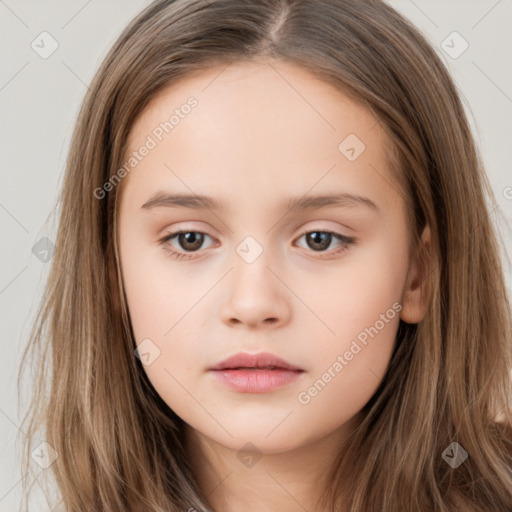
255 295
251 274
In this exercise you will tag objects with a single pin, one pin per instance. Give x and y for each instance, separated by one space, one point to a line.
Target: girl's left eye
193 240
320 240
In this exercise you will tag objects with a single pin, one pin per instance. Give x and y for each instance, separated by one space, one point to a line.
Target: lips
261 361
256 373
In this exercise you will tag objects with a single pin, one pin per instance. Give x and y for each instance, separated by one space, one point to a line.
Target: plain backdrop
40 97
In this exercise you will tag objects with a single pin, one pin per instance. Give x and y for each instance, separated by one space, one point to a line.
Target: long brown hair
119 446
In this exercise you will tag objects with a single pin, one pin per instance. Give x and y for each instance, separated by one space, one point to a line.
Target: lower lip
256 381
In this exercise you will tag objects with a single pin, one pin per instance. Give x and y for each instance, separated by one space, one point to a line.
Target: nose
256 297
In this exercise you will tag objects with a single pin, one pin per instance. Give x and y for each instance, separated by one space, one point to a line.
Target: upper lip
261 360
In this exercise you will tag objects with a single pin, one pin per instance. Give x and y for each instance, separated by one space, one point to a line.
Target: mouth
255 373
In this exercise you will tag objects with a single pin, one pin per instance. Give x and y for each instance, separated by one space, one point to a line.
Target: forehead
275 93
256 126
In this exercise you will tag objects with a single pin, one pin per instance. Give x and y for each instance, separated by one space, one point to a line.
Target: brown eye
187 243
318 240
190 240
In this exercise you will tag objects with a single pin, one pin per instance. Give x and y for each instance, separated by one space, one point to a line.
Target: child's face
258 136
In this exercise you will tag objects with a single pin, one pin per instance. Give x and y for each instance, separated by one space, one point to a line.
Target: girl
276 285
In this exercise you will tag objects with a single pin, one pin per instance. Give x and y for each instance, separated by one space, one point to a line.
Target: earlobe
415 295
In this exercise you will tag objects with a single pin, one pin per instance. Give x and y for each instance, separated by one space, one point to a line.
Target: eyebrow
201 202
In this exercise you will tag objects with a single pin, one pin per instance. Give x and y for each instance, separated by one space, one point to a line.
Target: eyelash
346 242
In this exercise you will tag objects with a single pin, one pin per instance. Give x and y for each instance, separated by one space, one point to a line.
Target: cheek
350 364
359 306
159 291
163 300
158 301
353 296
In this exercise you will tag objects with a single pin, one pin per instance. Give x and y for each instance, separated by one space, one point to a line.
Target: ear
415 294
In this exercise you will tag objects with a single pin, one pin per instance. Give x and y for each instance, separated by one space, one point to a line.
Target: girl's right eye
188 240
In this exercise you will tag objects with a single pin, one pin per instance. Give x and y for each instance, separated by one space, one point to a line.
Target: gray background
40 99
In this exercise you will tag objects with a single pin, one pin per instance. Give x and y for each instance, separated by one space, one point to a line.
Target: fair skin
253 142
